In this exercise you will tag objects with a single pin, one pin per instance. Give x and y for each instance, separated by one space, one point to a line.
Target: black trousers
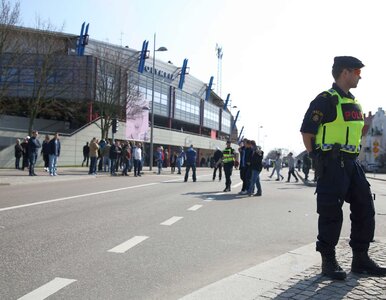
245 175
32 161
228 167
188 167
219 168
343 180
291 171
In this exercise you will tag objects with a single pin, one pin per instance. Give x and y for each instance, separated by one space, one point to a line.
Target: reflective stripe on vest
345 130
227 155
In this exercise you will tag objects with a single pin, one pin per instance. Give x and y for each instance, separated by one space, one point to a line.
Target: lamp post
258 135
152 104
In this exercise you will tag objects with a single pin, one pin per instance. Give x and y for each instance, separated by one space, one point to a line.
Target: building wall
375 136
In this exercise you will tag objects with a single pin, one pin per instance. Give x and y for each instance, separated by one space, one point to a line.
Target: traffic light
115 125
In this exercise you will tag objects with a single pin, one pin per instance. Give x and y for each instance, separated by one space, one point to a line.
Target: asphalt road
150 237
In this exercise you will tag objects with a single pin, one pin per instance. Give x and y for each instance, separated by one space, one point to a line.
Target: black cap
347 62
229 142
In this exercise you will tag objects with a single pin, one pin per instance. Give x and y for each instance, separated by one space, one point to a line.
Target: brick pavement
310 284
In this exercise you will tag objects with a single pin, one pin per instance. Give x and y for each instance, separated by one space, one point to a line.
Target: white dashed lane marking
48 289
122 248
195 207
171 221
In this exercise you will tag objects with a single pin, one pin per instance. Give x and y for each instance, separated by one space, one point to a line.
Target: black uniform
341 179
228 167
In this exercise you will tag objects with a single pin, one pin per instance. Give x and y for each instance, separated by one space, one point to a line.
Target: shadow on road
218 196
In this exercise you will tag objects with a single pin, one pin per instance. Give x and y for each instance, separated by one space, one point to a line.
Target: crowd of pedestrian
250 166
28 151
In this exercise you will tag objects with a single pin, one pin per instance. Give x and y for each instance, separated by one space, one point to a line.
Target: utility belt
336 153
349 149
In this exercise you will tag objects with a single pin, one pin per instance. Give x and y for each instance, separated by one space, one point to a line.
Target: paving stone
310 284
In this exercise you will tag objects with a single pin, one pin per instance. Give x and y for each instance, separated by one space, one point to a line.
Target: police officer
331 130
228 161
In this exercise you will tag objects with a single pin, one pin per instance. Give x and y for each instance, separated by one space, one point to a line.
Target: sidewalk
15 177
296 275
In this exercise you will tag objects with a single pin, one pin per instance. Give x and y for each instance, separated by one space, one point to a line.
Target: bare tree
115 95
9 17
43 51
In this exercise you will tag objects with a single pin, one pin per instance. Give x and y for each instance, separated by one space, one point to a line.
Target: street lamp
152 104
258 135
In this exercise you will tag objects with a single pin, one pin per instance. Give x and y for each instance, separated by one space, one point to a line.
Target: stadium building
77 86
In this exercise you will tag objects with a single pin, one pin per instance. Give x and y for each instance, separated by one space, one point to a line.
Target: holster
319 165
335 152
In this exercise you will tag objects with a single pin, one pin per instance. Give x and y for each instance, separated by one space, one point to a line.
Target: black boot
331 268
363 264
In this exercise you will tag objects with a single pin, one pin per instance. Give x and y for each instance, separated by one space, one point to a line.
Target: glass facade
211 116
187 108
161 92
226 122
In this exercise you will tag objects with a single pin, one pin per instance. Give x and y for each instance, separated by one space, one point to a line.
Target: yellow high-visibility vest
345 130
228 155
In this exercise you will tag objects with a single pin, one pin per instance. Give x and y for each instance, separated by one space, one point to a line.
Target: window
226 122
161 91
187 108
211 116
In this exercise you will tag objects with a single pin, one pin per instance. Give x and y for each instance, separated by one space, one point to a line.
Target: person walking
115 153
126 158
278 167
54 153
173 161
306 166
159 158
24 145
242 166
18 154
228 163
256 167
299 164
33 150
166 159
291 167
191 157
106 157
137 154
331 131
217 157
86 154
46 152
273 167
180 159
93 153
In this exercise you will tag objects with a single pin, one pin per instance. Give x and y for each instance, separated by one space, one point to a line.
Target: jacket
33 146
191 156
93 149
54 147
257 160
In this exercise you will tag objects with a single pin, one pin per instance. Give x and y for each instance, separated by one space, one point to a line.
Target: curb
252 282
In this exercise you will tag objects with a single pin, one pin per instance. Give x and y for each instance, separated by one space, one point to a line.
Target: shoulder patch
316 116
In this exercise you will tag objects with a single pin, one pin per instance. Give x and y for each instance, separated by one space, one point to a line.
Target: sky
277 54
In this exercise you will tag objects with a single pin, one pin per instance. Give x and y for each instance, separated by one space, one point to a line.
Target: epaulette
329 95
325 95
